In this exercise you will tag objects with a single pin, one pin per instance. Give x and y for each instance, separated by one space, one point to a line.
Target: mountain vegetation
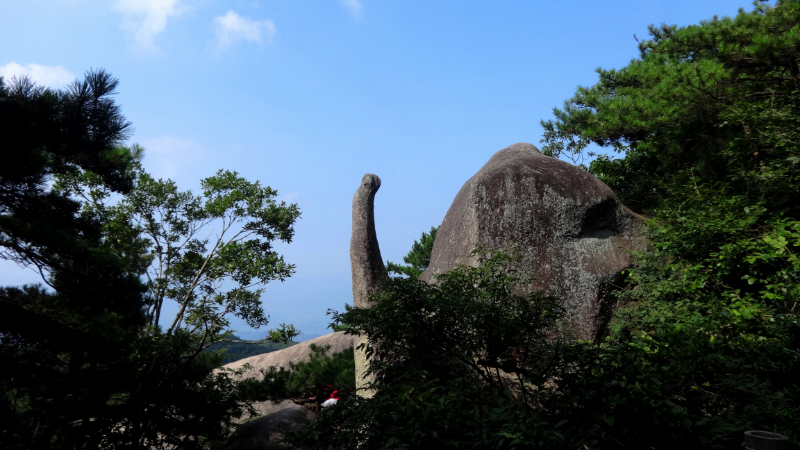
236 349
703 134
315 379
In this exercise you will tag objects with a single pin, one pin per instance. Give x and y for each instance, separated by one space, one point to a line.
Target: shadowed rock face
267 432
574 235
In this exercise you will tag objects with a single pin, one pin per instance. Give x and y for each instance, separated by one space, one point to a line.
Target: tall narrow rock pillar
365 257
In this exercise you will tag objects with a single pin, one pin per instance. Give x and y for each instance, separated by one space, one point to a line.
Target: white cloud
51 76
171 157
353 5
146 19
232 27
290 197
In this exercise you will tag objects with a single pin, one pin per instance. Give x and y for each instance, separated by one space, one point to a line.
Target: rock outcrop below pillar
366 263
573 233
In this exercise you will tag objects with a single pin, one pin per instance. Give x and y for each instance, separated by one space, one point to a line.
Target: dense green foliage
714 103
707 122
236 349
454 324
417 258
317 378
460 364
468 364
46 134
86 362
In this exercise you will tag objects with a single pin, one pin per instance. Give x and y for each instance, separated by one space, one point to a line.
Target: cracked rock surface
573 233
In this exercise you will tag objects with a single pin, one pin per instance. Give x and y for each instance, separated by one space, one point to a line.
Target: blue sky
308 96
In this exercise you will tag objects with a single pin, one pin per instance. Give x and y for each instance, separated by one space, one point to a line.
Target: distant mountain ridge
240 350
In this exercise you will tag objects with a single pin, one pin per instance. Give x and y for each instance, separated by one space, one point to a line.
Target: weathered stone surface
294 354
366 263
574 234
267 432
365 254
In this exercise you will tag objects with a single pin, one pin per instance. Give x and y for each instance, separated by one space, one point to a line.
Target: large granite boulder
267 432
574 235
294 354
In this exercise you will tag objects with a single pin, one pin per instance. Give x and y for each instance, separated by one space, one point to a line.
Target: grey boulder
338 342
267 432
573 233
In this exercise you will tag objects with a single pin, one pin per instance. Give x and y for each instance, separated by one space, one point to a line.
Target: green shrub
313 378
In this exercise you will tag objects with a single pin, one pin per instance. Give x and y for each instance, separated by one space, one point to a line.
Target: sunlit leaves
209 252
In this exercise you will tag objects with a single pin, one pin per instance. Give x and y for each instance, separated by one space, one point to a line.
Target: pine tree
417 258
60 344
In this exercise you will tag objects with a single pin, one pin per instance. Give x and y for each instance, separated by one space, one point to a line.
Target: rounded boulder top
573 233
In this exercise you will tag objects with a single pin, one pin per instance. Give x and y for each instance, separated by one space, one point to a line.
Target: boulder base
267 432
574 235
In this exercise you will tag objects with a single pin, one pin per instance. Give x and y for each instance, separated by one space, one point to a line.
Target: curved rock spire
365 260
365 254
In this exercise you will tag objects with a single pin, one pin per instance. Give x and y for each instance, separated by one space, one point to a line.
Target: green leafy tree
209 279
166 232
714 102
706 124
283 335
417 258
